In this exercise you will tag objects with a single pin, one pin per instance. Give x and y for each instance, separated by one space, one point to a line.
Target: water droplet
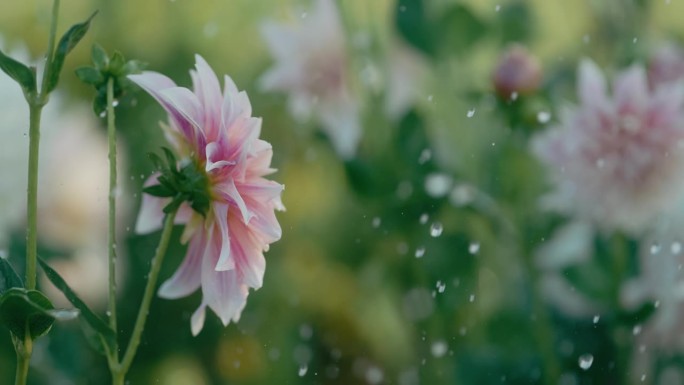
429 98
304 15
424 218
474 247
305 331
425 156
497 8
441 286
656 304
655 248
115 103
438 185
514 96
402 8
643 377
471 298
675 248
374 375
302 370
586 38
636 330
463 330
376 222
436 229
543 117
596 319
634 40
420 252
439 348
585 361
470 113
103 114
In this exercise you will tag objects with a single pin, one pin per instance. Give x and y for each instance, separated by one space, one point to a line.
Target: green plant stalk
111 133
35 110
24 350
119 370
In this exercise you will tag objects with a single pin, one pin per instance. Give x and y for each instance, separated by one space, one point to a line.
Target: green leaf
460 29
117 63
24 310
413 25
159 191
19 72
8 277
66 44
99 57
89 75
93 321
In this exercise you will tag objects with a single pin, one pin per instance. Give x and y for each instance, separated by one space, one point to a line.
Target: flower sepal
181 181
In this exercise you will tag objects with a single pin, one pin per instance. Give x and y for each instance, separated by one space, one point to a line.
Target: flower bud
518 73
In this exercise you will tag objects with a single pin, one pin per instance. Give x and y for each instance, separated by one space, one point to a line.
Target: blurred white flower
617 161
73 185
313 67
407 70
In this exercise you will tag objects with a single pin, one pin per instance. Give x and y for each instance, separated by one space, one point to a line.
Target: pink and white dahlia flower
617 160
216 131
313 67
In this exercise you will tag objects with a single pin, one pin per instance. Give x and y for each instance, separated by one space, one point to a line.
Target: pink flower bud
518 73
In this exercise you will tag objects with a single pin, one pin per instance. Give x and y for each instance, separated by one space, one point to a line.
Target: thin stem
51 47
111 133
24 350
35 110
147 298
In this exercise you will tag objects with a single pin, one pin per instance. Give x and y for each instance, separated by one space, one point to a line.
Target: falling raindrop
656 304
304 15
439 348
636 330
429 98
675 248
543 117
596 319
436 229
64 314
420 252
438 185
376 222
474 247
115 103
374 375
643 377
441 286
302 370
471 298
497 8
103 114
585 361
655 248
514 96
470 113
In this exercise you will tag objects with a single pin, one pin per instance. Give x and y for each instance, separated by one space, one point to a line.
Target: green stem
111 133
24 350
35 110
119 372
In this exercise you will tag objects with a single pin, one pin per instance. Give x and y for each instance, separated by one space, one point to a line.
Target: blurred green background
377 279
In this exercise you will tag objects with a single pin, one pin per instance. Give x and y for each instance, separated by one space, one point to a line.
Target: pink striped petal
225 262
208 91
187 277
247 251
197 320
229 192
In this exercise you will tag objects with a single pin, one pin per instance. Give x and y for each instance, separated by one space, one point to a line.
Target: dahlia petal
208 92
213 152
247 253
264 221
197 320
631 91
183 102
151 213
228 191
591 84
188 276
225 262
152 82
222 290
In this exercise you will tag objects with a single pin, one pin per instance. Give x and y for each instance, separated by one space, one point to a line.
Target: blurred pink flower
618 161
217 131
666 65
313 67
